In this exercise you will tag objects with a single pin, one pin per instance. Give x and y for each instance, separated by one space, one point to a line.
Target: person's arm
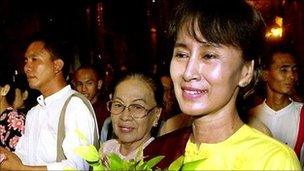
12 162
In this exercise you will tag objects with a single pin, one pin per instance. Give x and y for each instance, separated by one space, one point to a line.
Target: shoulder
298 105
265 143
266 151
256 109
109 146
171 145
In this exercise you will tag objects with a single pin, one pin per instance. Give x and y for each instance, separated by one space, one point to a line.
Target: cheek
176 70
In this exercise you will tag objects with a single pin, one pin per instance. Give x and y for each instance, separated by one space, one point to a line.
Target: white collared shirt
283 124
38 145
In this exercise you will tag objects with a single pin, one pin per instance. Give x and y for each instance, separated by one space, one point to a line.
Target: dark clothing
11 128
171 145
101 112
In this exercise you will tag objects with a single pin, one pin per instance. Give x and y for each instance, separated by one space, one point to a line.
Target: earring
155 124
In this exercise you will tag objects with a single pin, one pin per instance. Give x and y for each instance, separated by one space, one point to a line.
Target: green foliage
112 161
177 164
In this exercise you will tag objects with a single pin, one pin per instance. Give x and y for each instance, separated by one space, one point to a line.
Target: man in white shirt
278 111
37 148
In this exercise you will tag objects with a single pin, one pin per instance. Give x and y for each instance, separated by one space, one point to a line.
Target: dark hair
226 22
273 49
56 46
10 76
152 81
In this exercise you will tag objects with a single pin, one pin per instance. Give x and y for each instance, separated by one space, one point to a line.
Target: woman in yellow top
217 50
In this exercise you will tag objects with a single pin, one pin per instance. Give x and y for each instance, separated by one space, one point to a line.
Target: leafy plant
112 161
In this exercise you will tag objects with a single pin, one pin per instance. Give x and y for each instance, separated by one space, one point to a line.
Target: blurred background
121 34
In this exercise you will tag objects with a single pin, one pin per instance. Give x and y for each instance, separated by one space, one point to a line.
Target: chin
192 111
126 139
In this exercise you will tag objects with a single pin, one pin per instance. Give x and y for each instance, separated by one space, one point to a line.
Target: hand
11 161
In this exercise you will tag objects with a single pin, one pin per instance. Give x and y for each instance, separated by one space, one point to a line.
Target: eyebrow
204 44
139 100
117 98
289 65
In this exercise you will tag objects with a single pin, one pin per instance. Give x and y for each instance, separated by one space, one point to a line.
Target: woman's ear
265 74
25 95
157 116
5 89
247 73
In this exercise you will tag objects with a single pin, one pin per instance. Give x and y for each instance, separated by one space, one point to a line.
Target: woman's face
206 76
127 128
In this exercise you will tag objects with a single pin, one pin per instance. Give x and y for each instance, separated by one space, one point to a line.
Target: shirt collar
290 105
58 95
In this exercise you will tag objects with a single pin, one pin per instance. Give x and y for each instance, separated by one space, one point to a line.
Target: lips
193 93
125 129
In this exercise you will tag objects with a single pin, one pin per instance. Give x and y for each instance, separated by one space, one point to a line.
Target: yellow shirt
246 149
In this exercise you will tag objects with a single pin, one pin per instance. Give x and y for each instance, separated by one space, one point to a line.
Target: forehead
132 89
35 48
85 74
283 59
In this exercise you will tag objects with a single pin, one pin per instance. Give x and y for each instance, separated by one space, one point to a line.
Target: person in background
171 117
88 82
46 68
278 111
135 108
13 94
215 58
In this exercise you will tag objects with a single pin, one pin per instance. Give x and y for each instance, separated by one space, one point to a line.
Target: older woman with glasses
135 108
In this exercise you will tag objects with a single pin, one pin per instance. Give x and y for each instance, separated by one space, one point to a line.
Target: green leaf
98 167
88 153
192 165
116 163
177 164
152 162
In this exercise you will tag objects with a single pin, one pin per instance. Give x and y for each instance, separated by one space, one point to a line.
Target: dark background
122 34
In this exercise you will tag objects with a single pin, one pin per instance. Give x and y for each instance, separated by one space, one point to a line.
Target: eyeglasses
136 110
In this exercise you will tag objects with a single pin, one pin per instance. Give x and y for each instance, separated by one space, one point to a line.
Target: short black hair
57 46
273 49
15 79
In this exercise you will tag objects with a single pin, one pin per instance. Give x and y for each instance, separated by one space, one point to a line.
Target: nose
126 115
84 88
27 67
192 70
292 75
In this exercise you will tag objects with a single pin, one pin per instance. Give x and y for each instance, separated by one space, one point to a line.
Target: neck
94 99
3 104
127 148
277 101
54 86
217 126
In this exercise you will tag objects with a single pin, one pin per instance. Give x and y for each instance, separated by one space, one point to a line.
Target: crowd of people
193 112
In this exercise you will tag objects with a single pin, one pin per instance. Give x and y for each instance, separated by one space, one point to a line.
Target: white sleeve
77 117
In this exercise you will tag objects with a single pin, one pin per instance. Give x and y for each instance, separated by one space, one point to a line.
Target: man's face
87 83
282 75
39 66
